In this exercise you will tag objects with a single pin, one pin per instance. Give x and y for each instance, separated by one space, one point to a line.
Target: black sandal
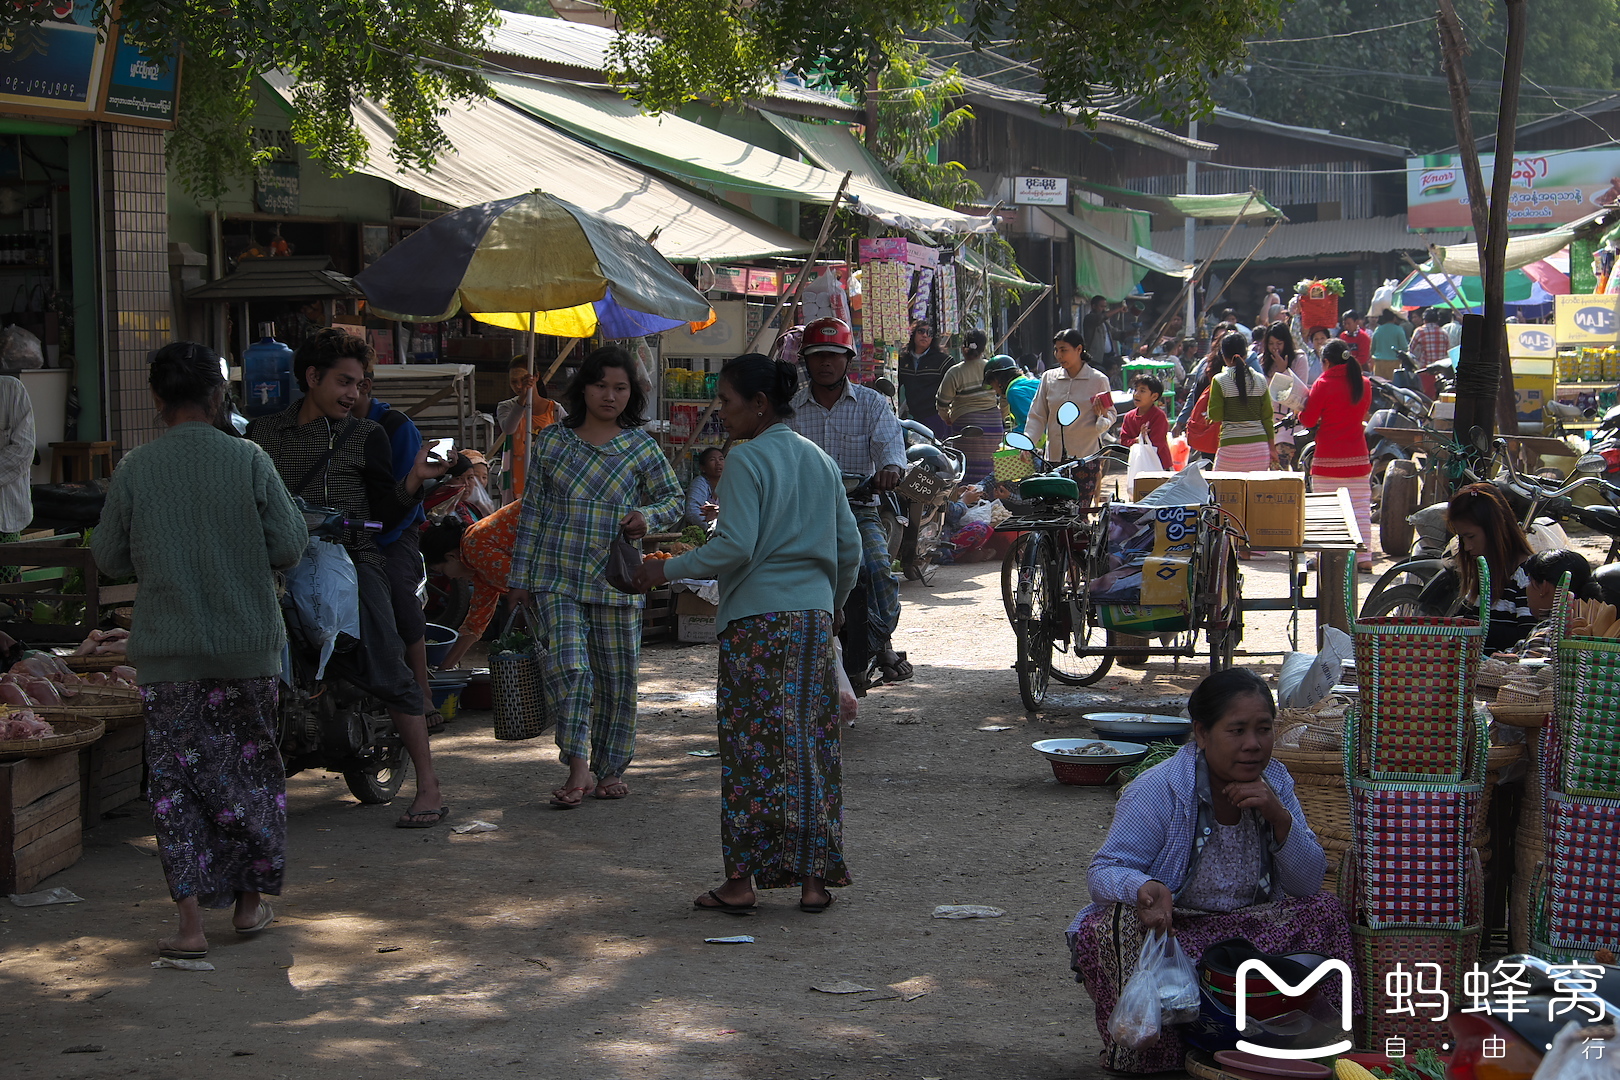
721 905
435 722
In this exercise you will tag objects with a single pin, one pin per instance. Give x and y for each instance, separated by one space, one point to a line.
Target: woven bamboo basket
1300 762
1327 808
1519 913
117 706
72 732
1377 953
105 662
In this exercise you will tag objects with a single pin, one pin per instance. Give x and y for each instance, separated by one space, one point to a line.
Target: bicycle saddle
1049 487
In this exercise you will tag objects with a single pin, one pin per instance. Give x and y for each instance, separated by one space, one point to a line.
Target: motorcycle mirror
1591 465
884 387
1067 414
1019 441
972 431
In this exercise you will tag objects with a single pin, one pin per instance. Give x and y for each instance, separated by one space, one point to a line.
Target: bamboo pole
1246 259
1198 274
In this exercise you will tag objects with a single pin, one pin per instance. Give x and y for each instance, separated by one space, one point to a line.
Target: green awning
833 147
1521 250
1134 252
975 262
711 160
1238 206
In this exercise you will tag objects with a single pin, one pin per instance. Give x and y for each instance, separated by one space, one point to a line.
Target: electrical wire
1335 37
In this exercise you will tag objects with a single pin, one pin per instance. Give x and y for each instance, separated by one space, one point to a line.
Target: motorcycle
856 637
1508 1037
328 722
934 468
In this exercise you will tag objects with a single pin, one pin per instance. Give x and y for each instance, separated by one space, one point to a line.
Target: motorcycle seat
1605 519
1049 487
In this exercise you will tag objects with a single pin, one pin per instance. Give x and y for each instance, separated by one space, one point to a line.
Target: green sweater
202 520
785 540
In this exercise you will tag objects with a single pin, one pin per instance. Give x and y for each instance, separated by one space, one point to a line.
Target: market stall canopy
833 147
1521 250
1524 295
1144 257
976 264
711 160
515 262
291 278
1295 240
1238 206
501 152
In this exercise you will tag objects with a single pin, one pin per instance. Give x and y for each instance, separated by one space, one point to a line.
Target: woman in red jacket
1338 406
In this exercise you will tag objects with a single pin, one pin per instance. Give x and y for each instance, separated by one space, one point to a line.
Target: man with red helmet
857 428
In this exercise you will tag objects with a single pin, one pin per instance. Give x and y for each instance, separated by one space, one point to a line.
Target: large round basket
104 662
72 732
1525 716
118 706
1321 762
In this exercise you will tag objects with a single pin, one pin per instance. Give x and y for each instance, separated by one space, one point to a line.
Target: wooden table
1332 535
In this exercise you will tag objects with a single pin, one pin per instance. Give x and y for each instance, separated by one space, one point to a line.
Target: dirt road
564 943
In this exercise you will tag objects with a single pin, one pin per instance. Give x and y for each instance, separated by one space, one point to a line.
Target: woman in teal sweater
786 552
202 519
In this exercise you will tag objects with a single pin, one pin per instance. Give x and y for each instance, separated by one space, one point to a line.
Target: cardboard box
1275 509
1146 482
1232 494
696 629
690 603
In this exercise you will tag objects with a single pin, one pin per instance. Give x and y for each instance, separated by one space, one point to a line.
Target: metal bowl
1140 727
1086 770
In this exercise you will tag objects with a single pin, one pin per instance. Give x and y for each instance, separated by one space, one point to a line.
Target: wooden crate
111 772
658 617
40 829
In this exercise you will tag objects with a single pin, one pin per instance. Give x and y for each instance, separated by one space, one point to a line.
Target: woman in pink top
1337 408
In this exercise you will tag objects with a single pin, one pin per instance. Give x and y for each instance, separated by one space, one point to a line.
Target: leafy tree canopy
1162 51
337 49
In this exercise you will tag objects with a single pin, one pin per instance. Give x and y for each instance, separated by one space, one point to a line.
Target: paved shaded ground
564 943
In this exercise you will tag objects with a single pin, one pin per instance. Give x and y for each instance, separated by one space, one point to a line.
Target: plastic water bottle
267 374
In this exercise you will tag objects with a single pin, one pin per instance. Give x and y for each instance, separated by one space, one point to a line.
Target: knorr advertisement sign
1548 189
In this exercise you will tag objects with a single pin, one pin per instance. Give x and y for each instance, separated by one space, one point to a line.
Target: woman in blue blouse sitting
1209 845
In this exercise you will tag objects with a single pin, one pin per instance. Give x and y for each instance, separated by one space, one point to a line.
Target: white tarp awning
501 152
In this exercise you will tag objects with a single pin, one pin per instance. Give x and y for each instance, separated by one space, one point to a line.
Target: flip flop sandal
557 797
617 783
408 820
183 954
721 906
817 909
266 914
899 671
435 722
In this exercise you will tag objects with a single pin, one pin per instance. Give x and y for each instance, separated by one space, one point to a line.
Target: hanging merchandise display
825 297
950 310
884 309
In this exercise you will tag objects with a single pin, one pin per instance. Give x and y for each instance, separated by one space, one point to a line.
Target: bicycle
1061 627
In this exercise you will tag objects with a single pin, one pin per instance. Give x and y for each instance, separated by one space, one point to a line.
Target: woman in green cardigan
785 551
202 519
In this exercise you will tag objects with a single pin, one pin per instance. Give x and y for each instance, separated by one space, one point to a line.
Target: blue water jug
267 374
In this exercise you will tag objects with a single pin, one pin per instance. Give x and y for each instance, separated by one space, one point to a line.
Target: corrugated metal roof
1024 103
1299 240
583 46
1228 118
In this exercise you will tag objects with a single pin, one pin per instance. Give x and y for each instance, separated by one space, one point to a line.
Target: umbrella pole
1451 301
520 462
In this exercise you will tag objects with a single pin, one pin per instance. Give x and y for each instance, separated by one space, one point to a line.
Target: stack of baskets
1414 764
1576 895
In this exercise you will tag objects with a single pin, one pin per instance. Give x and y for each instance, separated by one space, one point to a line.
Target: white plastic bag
1144 458
1307 679
1288 391
848 704
1187 488
326 594
1137 1019
1178 986
979 511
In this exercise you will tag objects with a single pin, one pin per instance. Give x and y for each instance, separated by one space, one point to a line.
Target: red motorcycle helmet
827 335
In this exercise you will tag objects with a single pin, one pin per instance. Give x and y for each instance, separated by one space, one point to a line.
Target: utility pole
1189 237
1484 381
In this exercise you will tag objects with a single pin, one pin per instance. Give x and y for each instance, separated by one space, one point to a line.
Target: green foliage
1347 66
915 115
678 50
394 51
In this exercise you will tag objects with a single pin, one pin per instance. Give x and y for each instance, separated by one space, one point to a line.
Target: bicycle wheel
1031 614
1401 602
1009 574
1226 629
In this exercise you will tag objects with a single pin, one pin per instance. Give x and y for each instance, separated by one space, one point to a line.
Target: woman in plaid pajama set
590 477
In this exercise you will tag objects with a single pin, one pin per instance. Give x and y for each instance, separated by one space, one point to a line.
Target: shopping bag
1137 1019
516 691
326 596
848 704
1144 458
623 564
1203 434
1012 465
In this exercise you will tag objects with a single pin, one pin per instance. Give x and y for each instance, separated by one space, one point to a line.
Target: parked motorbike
856 637
934 468
330 722
1507 1038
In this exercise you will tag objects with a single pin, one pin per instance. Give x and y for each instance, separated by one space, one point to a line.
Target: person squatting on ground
786 555
856 428
341 461
592 477
202 519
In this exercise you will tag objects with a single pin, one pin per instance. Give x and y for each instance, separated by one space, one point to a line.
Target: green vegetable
696 535
1157 752
513 641
1425 1065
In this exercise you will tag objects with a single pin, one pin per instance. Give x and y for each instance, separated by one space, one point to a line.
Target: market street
564 942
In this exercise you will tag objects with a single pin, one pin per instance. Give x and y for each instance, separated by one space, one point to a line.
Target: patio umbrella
533 262
1525 295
